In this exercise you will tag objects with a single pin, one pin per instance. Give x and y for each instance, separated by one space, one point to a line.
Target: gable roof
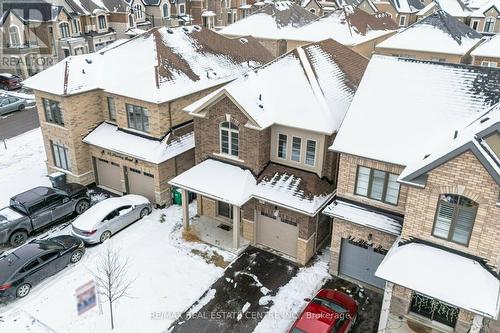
403 107
489 48
437 33
407 6
169 63
88 7
455 8
480 11
309 88
469 138
31 11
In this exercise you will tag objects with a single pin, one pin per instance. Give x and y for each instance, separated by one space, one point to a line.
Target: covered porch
218 233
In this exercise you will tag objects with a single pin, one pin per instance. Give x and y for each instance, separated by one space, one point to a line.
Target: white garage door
278 235
360 262
109 175
141 183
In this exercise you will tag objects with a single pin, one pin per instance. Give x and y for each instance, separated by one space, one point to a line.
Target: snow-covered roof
310 87
364 216
475 4
489 48
437 33
455 8
407 6
482 9
218 180
472 137
446 276
90 7
403 107
297 190
132 32
160 65
112 138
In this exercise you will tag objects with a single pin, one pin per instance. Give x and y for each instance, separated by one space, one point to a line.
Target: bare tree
111 277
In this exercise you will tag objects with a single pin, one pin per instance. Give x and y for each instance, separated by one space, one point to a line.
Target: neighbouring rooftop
455 8
438 98
489 48
407 6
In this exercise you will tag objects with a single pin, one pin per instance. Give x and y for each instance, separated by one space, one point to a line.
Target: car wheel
18 238
82 206
23 290
144 212
21 107
105 236
76 256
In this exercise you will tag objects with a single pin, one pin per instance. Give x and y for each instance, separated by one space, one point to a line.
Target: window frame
230 211
144 115
453 222
487 21
167 6
230 131
292 149
488 64
101 22
476 23
285 150
370 181
183 11
403 18
315 153
111 108
58 148
14 30
62 31
52 108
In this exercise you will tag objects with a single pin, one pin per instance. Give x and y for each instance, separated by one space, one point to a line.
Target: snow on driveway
22 165
169 278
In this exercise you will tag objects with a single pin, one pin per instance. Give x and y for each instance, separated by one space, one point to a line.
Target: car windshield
47 244
330 304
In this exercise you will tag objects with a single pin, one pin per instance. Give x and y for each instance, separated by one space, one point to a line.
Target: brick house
288 26
455 8
438 37
403 12
322 8
122 127
487 54
263 170
485 18
377 208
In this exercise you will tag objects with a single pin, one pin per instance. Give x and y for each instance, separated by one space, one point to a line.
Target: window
312 10
64 29
102 21
166 11
455 218
224 209
60 153
475 25
15 38
138 12
53 113
130 21
30 266
182 9
111 108
48 256
138 117
296 148
229 139
488 64
310 152
402 21
282 142
489 24
378 185
76 26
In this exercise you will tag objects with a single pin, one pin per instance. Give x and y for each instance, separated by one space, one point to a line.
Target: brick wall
478 60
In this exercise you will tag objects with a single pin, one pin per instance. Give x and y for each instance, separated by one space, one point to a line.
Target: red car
329 311
9 81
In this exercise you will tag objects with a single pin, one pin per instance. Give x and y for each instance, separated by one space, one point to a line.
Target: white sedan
109 216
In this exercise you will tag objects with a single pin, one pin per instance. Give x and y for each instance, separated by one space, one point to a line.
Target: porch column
185 209
386 304
477 324
236 227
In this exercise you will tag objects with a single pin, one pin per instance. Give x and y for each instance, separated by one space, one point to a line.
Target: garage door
360 262
109 175
278 235
141 183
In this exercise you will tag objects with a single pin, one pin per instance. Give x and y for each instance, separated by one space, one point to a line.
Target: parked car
110 216
33 262
10 104
329 311
10 81
35 209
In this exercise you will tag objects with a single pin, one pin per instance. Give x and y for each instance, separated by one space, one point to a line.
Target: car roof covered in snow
403 107
168 63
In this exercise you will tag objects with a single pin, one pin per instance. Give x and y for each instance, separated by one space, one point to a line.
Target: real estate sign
86 297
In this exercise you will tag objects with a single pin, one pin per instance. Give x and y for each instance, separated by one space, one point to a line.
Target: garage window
378 185
138 117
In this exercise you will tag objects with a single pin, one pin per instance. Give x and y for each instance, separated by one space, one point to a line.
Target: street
19 122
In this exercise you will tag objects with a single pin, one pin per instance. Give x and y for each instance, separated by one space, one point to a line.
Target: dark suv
35 209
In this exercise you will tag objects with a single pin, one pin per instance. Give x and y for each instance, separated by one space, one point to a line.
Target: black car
33 262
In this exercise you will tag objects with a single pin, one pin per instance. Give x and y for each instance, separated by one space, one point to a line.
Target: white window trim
229 140
183 12
300 150
315 154
488 63
402 17
472 24
60 30
278 147
494 24
105 22
163 10
18 35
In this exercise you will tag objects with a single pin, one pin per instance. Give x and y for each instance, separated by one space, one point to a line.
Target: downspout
316 234
172 132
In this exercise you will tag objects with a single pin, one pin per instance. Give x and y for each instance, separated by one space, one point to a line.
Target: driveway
19 122
370 303
232 303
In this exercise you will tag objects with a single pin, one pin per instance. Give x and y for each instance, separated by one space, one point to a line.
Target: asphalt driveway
235 306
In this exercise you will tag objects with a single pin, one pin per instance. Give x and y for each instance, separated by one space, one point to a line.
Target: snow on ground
289 301
168 279
22 165
21 94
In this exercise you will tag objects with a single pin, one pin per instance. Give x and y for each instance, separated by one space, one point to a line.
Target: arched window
489 24
101 19
455 218
229 138
166 10
138 11
64 29
15 37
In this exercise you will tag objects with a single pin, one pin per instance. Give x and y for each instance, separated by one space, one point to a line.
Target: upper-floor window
310 152
378 185
14 36
489 24
402 21
111 108
182 9
64 29
61 156
296 148
138 117
474 24
102 21
282 143
76 26
455 218
166 10
138 12
53 113
229 139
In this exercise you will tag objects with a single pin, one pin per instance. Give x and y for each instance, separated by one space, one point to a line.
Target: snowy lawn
169 276
21 93
22 165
